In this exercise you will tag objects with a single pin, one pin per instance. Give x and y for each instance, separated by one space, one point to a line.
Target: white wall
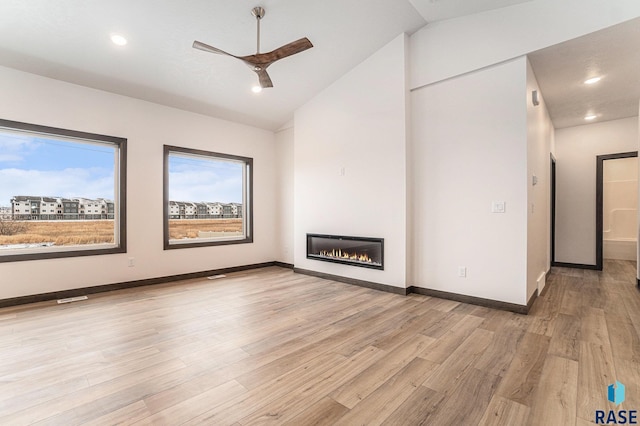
576 152
469 148
357 124
284 194
540 134
455 46
33 99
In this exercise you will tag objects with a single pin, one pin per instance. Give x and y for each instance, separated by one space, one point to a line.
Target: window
207 198
42 167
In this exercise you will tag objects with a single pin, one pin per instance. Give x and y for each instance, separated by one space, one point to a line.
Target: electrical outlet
132 262
462 271
498 207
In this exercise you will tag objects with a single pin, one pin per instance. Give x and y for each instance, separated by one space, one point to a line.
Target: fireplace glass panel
356 251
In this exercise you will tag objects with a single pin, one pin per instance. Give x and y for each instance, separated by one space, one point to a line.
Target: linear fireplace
356 251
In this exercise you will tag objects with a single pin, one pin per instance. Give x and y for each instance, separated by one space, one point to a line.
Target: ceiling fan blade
202 46
263 77
291 49
266 59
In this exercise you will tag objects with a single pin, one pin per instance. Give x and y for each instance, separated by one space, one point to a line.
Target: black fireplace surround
356 251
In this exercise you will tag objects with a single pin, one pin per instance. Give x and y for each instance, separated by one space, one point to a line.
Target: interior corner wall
284 194
147 126
576 152
540 135
455 46
350 164
469 144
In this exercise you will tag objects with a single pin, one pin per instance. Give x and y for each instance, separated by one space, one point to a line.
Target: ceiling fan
260 61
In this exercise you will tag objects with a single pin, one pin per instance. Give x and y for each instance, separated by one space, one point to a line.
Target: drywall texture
284 194
469 149
540 134
350 169
576 152
455 46
33 99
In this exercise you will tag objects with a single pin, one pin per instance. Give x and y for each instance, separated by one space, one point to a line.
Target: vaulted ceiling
70 40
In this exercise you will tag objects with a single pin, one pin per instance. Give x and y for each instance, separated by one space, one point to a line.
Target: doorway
616 207
552 180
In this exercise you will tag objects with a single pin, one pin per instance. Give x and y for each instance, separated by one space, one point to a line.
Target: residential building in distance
5 212
204 210
24 207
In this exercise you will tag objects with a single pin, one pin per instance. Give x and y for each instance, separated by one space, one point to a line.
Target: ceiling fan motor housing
258 12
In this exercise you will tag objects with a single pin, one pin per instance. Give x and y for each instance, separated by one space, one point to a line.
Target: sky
45 166
194 178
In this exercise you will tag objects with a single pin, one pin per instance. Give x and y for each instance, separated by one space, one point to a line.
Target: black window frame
120 197
247 202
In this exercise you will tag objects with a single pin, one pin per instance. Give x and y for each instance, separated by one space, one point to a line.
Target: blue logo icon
616 393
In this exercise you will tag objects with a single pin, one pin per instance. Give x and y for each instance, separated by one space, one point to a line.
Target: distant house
227 210
236 209
202 212
5 212
174 210
214 209
183 210
70 209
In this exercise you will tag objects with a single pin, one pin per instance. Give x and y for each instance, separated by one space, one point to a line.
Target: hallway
590 321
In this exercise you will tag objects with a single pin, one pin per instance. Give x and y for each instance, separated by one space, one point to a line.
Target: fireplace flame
339 254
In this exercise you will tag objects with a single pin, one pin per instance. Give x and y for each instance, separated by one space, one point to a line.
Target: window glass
61 192
207 198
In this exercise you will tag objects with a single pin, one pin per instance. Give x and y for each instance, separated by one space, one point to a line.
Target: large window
207 198
62 193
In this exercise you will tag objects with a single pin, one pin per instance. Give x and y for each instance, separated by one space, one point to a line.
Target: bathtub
618 242
619 248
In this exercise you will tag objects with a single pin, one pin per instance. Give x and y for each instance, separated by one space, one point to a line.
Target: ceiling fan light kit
261 61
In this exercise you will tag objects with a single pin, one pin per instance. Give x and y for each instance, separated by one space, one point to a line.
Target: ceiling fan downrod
258 12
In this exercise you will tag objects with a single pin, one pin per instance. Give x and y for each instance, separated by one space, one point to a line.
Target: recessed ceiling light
593 80
590 117
119 40
256 89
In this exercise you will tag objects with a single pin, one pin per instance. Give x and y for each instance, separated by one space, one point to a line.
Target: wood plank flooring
272 347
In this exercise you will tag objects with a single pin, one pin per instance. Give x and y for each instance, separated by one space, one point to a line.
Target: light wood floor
273 347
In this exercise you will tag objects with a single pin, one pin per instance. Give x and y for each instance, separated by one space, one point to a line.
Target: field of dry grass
179 229
101 231
63 233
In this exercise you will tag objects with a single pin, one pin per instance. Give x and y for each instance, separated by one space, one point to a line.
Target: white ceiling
69 40
613 53
438 10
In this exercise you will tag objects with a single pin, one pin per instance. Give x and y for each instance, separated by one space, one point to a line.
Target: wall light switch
462 271
498 207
